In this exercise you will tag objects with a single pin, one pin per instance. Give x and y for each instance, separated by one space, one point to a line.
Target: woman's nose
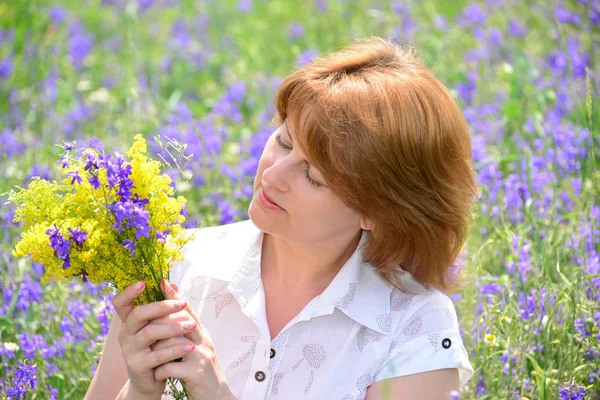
277 174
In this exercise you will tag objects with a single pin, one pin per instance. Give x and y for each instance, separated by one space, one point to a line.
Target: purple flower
75 176
515 29
471 15
564 16
68 145
78 236
307 57
296 30
94 181
245 5
60 246
25 380
572 392
40 170
129 245
58 14
9 144
162 236
6 68
80 45
142 230
183 210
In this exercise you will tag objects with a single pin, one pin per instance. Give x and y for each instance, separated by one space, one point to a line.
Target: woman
335 288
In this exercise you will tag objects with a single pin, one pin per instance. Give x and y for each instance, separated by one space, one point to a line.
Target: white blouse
359 331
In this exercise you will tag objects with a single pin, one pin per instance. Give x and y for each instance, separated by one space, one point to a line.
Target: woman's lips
266 202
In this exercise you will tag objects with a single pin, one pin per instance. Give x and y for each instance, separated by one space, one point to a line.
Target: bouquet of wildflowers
112 219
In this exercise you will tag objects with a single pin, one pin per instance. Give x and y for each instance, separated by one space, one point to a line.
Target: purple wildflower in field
516 29
441 22
58 15
39 170
80 45
34 344
9 145
6 68
472 15
307 57
245 5
296 30
322 5
573 392
564 16
25 380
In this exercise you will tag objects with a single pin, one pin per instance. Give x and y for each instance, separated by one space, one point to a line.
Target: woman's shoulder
417 305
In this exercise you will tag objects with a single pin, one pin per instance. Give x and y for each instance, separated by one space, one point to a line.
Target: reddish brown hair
391 142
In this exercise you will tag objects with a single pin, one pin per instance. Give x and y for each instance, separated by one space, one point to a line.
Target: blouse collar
357 289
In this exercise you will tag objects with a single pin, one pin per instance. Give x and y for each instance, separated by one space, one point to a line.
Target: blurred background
204 73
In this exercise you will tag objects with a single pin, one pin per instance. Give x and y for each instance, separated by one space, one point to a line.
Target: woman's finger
141 315
123 301
153 333
179 316
163 344
197 334
162 356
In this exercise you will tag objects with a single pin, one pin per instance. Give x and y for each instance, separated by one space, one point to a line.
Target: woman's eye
284 146
280 142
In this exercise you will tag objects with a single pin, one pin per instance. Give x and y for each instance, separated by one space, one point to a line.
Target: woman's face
308 210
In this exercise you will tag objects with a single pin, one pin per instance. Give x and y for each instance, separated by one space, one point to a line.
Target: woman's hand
137 336
199 369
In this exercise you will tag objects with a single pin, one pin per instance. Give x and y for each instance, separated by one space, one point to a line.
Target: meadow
202 72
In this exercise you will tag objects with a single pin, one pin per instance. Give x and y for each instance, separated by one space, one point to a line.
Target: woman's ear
366 224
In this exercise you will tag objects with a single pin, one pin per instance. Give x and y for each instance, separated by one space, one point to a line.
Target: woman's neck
295 265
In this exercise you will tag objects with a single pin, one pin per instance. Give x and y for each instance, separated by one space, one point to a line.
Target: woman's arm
111 374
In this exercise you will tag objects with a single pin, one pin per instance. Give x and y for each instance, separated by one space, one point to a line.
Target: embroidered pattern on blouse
362 383
276 379
448 313
222 298
413 325
366 335
239 361
345 301
434 339
315 356
384 321
401 303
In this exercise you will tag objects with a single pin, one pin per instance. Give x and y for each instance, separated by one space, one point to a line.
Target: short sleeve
427 339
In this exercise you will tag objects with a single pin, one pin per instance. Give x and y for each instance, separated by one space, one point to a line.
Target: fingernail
140 285
175 287
189 325
188 347
180 304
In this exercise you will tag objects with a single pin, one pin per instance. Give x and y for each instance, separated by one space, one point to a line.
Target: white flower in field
84 85
100 96
11 346
491 339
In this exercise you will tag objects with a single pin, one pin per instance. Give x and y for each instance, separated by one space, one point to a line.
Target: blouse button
272 353
259 376
446 343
